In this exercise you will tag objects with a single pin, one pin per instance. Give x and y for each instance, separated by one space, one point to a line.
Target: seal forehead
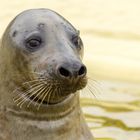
34 17
41 24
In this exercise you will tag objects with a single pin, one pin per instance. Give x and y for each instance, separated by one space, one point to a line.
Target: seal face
46 58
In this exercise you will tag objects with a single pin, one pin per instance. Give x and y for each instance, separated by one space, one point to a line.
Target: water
110 30
114 114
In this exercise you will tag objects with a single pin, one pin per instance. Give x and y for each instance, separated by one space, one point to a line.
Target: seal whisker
49 96
44 98
93 79
19 88
32 81
91 91
21 96
95 88
56 93
31 86
29 91
39 73
18 97
59 92
53 95
25 99
39 91
41 94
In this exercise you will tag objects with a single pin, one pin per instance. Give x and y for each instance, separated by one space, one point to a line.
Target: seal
41 74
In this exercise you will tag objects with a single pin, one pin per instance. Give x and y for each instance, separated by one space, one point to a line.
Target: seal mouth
43 91
39 101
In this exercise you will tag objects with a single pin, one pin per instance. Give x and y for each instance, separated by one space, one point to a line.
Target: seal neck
47 112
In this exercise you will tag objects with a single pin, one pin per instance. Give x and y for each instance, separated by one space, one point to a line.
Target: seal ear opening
14 33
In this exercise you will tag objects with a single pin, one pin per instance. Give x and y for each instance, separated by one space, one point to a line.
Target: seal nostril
82 71
64 72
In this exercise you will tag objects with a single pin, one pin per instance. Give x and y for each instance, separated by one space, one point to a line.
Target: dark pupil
34 43
76 41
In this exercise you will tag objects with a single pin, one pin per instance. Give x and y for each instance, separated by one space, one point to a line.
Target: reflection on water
110 30
114 114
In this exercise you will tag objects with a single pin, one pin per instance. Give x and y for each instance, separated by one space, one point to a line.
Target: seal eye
77 41
33 43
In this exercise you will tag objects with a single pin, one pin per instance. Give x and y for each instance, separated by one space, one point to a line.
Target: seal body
41 75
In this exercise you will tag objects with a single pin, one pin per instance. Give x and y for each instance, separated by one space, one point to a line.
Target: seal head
44 58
